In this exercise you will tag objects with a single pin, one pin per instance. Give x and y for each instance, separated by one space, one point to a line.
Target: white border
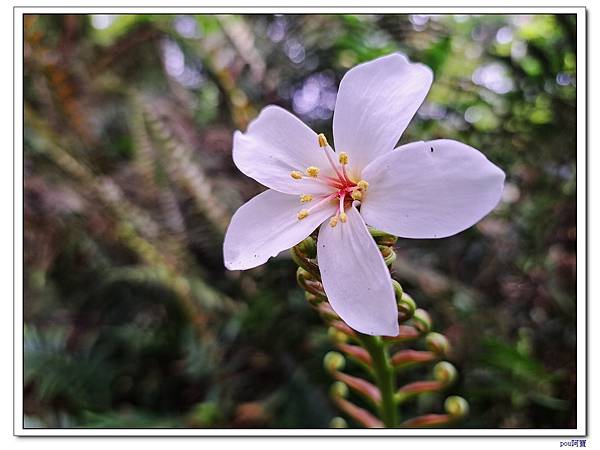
581 225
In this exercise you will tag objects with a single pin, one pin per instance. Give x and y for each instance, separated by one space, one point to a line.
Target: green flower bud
303 274
313 299
328 314
308 247
339 389
444 372
338 422
334 361
383 238
397 290
437 343
456 406
304 261
422 320
309 283
388 253
336 335
406 307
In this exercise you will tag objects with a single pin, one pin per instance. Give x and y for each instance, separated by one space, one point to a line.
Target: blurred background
131 320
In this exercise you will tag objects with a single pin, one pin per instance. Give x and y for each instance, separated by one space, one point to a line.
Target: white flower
420 190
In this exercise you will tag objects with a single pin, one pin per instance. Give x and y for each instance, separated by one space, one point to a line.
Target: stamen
333 221
356 195
305 212
322 140
363 185
324 144
343 158
343 217
306 198
313 171
346 178
324 180
320 202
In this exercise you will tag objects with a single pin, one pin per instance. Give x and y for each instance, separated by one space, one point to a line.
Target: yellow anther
343 217
362 185
323 140
296 175
356 195
333 221
343 158
306 198
313 171
302 214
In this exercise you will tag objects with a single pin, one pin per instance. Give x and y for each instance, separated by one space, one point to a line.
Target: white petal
430 189
355 277
375 103
275 144
266 225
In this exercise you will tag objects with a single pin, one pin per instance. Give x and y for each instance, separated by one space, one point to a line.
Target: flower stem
384 377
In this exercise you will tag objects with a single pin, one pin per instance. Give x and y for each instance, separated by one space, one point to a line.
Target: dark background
131 319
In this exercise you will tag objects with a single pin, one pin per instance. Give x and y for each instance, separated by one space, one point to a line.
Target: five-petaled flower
419 190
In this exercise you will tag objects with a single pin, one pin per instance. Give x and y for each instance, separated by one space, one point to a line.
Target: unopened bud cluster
415 324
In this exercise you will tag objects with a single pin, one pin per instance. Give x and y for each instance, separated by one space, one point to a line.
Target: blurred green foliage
131 318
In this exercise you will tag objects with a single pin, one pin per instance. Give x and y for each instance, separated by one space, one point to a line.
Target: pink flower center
345 189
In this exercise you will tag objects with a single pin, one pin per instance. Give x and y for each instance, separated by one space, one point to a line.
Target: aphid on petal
419 190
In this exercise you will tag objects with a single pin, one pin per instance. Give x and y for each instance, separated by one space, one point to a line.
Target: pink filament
322 201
